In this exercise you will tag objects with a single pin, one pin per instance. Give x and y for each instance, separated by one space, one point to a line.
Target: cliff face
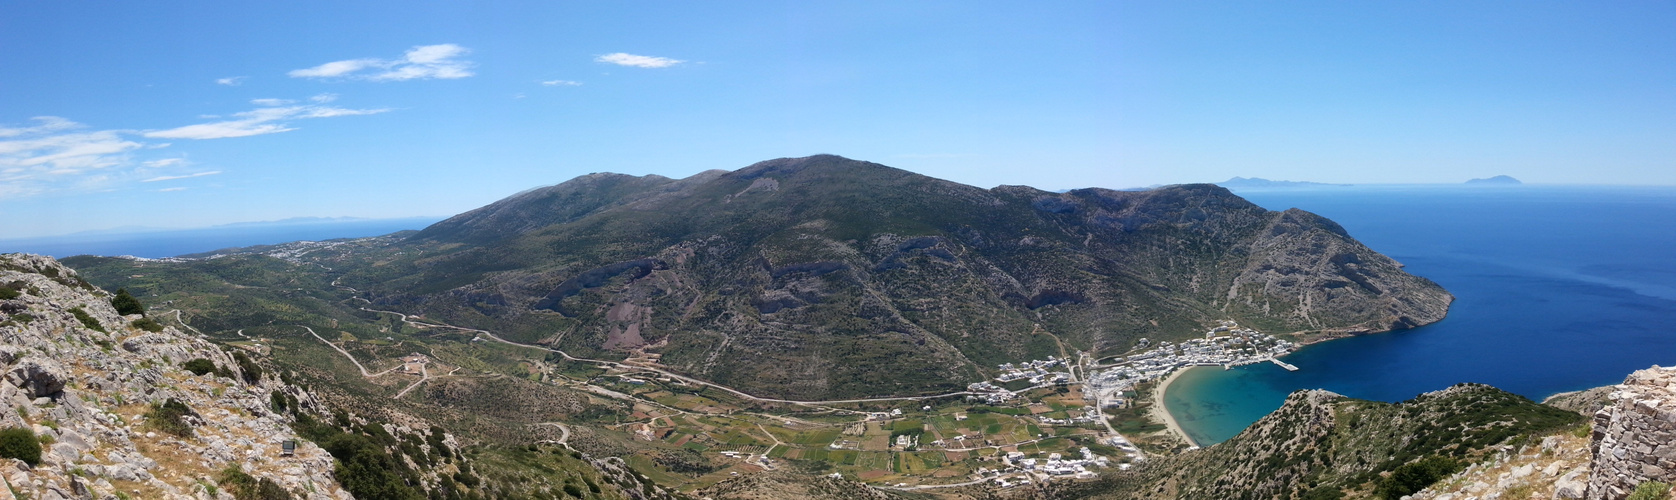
85 381
1634 438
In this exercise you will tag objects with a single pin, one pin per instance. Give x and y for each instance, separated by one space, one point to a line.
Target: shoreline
1164 413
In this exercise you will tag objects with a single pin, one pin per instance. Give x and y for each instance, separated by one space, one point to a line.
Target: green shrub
20 443
199 366
147 324
170 417
126 304
252 371
1416 476
245 487
1650 490
8 293
86 320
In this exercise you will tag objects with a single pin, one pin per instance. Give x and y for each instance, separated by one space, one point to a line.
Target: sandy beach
1159 412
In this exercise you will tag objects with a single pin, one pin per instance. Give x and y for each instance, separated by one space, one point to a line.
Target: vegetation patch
170 417
87 320
20 443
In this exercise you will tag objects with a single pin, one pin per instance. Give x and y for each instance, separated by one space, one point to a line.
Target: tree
126 304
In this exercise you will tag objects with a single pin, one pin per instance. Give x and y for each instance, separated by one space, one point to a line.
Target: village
1228 345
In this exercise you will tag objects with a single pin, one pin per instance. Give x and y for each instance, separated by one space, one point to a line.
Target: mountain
1261 183
827 278
1500 180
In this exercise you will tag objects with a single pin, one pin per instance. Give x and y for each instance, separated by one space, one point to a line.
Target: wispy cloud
56 153
165 190
231 81
187 176
623 59
56 146
561 83
265 120
53 154
422 62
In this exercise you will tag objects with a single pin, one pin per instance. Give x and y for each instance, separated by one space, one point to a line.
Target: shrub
170 417
245 487
1650 490
86 320
126 304
252 371
1415 476
20 443
8 293
147 324
199 366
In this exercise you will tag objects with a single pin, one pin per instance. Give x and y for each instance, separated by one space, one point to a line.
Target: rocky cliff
118 415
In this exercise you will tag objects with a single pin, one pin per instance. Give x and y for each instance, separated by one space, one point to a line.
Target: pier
1283 364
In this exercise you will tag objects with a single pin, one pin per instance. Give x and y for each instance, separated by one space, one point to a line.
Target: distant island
1501 180
1258 182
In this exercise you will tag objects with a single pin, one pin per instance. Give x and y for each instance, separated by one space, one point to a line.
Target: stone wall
1635 435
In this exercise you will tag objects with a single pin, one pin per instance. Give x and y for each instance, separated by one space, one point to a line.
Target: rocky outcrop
1635 435
84 380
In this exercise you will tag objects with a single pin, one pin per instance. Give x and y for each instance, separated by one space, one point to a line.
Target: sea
1557 288
159 243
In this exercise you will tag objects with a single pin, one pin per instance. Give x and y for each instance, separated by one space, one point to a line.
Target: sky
188 114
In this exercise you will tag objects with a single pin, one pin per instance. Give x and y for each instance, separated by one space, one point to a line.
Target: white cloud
334 69
258 121
565 83
55 146
271 102
324 98
623 59
231 81
421 62
53 154
187 176
56 153
165 190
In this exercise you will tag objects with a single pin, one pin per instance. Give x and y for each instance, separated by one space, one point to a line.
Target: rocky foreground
117 414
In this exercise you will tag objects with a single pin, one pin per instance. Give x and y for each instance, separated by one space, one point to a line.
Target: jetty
1284 364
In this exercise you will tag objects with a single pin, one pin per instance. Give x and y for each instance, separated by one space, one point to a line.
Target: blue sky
185 114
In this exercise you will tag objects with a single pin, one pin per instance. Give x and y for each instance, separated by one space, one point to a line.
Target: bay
1557 288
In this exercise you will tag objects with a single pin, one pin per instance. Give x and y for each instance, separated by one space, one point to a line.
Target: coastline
1163 413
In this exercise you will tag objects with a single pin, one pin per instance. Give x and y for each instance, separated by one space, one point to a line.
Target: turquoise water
1557 289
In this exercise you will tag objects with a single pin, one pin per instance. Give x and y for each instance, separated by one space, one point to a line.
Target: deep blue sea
1557 289
169 243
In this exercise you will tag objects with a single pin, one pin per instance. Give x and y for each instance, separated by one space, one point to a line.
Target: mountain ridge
822 277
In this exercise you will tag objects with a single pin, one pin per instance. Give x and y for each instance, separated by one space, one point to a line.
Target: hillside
125 406
824 277
116 411
1322 445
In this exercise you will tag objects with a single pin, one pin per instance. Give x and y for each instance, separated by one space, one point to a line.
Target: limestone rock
41 377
